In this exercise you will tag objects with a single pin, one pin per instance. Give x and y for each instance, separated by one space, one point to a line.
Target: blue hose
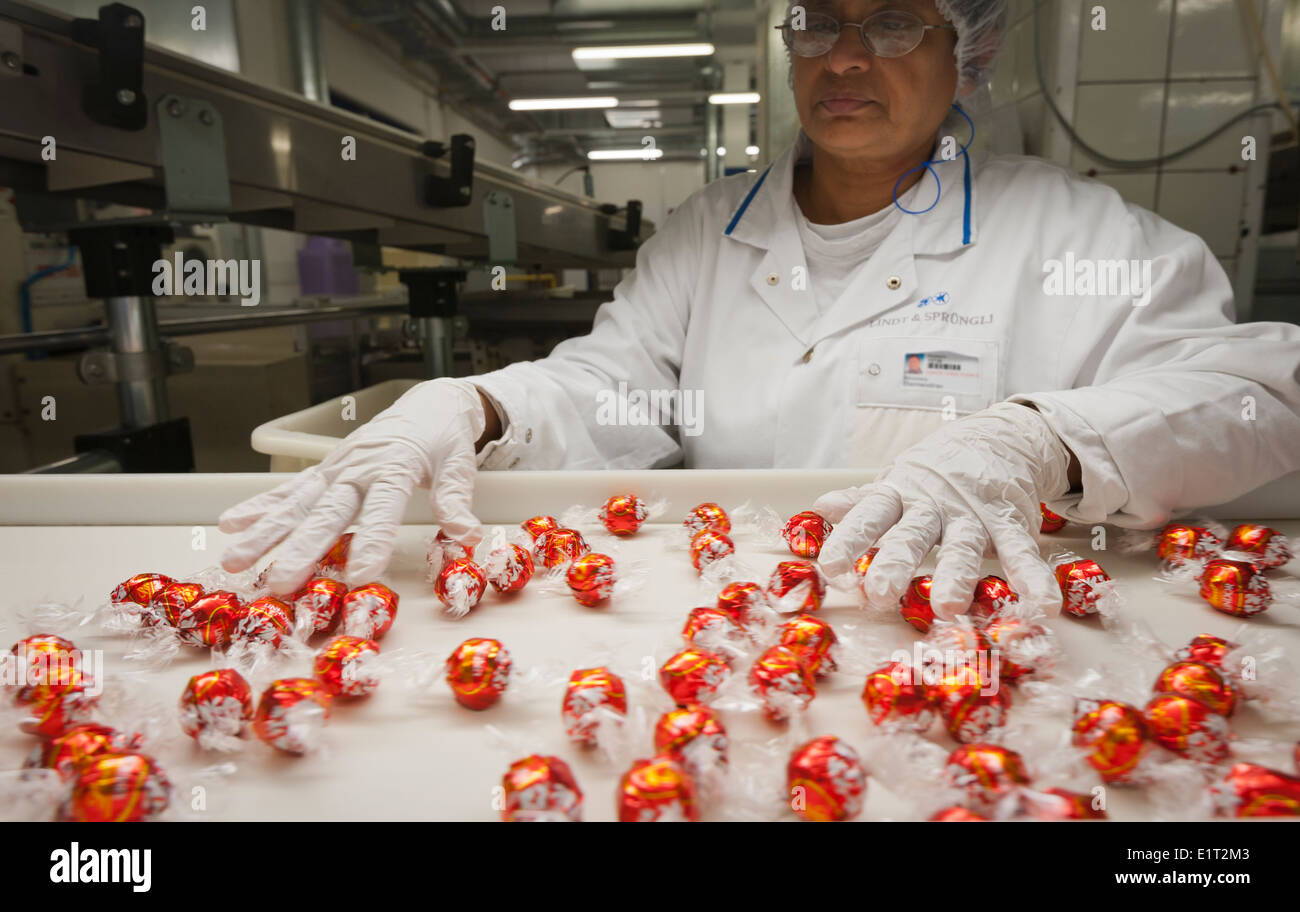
25 293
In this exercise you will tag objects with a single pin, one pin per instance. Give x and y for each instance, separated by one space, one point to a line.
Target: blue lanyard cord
927 167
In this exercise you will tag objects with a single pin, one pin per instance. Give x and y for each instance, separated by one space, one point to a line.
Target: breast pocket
927 372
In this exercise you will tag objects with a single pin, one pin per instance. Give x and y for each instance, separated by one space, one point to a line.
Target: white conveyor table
392 756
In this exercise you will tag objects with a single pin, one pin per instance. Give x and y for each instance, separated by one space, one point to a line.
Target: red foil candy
138 594
861 566
540 789
623 514
1188 727
118 788
319 604
1200 682
796 586
174 601
987 772
342 666
43 659
1206 648
1178 542
217 702
1114 733
783 682
1051 522
1077 580
539 525
460 585
805 533
743 601
291 713
657 790
991 593
369 611
709 545
1014 640
1060 804
956 814
826 780
707 516
478 671
267 621
508 569
336 558
65 698
812 640
969 709
591 578
693 675
1269 547
715 630
915 604
67 754
693 736
895 696
560 546
1235 587
593 696
1249 790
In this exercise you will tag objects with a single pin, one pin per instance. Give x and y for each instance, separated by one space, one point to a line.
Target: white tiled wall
1163 74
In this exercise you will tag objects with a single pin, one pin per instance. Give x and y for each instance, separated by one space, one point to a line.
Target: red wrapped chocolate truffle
560 547
292 713
956 814
369 611
540 789
710 545
914 605
991 594
460 585
538 525
1200 682
67 754
1268 548
623 514
594 696
715 630
707 516
895 696
796 586
336 558
693 736
509 568
969 705
657 791
172 604
1249 790
267 621
138 593
744 601
1078 581
64 698
591 578
1051 522
1207 648
342 666
478 671
319 604
805 533
1235 587
216 705
1179 542
813 640
118 788
783 682
1114 733
1188 727
989 773
1022 648
693 675
826 780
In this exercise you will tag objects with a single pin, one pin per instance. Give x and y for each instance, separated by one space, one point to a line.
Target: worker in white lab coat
995 333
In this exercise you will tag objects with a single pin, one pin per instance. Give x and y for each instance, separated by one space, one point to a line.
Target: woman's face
902 101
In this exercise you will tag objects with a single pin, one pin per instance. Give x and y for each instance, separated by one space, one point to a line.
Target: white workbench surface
390 756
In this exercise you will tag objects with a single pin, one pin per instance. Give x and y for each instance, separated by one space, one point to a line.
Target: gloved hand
426 438
973 484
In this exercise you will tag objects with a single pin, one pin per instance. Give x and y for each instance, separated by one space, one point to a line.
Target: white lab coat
1168 404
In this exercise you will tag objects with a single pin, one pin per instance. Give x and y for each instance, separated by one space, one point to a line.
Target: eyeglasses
889 33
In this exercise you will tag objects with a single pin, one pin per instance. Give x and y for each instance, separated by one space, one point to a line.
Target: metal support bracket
457 188
431 292
117 99
193 145
499 221
103 366
630 237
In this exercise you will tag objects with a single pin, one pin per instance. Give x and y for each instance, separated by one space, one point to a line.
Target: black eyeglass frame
785 29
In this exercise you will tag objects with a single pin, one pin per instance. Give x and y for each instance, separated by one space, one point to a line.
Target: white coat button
873 370
528 436
773 278
894 283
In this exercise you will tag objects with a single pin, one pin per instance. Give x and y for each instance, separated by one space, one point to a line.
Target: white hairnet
980 27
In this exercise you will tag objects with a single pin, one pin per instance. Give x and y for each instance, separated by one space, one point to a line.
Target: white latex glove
424 439
971 486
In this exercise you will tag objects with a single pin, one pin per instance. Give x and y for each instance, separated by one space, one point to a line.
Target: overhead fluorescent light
720 98
751 150
562 104
627 51
623 154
